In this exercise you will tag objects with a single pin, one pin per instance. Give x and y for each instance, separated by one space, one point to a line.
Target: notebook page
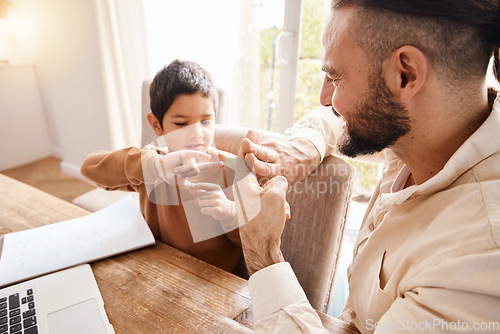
115 229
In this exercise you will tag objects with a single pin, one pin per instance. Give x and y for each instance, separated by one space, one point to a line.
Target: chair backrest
319 204
312 237
148 134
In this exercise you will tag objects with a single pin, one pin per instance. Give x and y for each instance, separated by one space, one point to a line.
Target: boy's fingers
186 170
205 186
208 203
208 211
187 155
206 166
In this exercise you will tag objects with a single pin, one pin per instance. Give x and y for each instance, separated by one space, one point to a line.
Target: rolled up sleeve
280 304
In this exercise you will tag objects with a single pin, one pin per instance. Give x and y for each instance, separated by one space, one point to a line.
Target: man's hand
261 213
294 159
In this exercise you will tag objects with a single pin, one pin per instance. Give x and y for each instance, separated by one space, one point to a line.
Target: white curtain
125 65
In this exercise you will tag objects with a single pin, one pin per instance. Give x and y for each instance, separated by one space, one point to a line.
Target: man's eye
333 81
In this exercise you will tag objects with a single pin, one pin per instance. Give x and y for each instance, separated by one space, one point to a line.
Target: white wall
74 69
70 76
24 135
60 98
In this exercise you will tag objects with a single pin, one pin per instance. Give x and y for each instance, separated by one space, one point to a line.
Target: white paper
115 229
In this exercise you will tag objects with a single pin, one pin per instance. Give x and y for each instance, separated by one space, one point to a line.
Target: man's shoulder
488 169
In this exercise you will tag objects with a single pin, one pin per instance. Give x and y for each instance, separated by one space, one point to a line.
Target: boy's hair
179 77
457 36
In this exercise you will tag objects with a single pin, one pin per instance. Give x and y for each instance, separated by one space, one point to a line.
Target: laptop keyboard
17 314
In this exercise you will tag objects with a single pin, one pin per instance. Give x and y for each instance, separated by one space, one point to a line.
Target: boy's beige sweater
122 170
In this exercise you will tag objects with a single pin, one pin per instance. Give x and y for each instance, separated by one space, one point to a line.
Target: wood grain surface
157 289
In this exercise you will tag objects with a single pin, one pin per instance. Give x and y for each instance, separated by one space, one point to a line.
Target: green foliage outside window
309 81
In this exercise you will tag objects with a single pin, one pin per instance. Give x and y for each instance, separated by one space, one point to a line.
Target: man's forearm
308 159
261 254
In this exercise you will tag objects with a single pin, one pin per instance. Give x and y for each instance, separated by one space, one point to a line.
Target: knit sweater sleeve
124 169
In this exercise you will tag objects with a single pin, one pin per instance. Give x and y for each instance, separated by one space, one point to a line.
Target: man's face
357 92
189 123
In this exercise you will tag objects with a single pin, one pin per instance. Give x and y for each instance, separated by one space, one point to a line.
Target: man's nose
326 94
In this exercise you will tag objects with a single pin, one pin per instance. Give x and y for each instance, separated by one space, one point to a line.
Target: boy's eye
206 122
181 123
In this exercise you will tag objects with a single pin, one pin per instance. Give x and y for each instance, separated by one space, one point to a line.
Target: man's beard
376 123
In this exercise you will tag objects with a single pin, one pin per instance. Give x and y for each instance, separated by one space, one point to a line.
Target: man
408 79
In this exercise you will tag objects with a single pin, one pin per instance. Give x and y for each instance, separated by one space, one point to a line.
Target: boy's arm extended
117 170
128 168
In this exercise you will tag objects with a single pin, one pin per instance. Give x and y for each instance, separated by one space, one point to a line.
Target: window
238 42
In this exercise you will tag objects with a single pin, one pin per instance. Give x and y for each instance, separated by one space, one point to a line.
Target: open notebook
115 229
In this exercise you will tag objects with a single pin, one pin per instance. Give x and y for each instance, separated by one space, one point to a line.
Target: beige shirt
427 258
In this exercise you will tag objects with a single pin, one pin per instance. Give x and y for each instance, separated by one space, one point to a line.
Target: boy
183 102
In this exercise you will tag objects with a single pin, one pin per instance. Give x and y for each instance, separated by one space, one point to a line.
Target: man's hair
179 77
458 37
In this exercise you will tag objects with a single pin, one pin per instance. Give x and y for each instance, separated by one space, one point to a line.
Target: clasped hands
262 209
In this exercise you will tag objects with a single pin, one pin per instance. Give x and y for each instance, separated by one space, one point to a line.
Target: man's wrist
261 255
307 158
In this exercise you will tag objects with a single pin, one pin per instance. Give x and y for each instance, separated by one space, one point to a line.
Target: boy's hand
183 163
214 202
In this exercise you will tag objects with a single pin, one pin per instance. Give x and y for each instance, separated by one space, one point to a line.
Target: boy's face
189 123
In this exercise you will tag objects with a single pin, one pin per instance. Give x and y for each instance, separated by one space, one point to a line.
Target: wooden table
156 289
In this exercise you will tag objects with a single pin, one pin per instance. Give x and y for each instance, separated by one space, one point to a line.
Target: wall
24 135
61 97
70 76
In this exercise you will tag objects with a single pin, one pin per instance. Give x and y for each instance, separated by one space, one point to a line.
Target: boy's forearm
118 170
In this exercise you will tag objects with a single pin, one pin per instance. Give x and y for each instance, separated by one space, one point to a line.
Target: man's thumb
254 136
278 186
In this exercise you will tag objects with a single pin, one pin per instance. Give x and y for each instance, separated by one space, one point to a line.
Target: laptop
67 301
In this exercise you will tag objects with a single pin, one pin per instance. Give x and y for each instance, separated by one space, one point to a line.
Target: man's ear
155 124
406 72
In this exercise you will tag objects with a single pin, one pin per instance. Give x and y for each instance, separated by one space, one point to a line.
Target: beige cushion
312 237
